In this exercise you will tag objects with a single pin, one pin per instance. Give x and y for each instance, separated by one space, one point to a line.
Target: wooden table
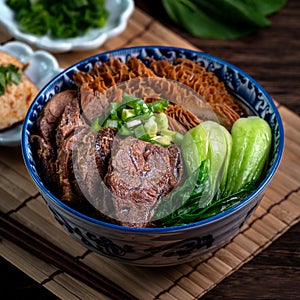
272 57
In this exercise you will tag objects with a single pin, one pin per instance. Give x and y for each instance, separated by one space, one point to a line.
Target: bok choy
251 143
222 169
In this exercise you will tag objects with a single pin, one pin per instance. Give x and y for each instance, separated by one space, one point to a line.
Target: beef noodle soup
121 145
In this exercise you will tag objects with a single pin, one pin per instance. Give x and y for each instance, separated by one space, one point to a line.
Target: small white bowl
42 67
119 13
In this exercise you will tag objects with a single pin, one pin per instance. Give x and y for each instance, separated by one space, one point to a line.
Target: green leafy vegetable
251 143
194 148
268 7
208 140
61 19
8 75
184 204
219 150
193 201
235 12
221 19
240 162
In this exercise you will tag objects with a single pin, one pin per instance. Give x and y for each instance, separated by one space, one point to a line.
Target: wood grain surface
272 57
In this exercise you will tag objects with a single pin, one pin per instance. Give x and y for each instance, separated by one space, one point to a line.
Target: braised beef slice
64 114
43 137
139 175
69 125
90 161
45 157
104 142
70 120
69 190
52 113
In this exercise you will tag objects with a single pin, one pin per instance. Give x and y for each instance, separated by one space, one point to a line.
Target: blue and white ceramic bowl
160 246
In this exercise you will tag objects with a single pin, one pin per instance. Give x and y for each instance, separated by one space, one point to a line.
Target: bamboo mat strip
40 247
278 211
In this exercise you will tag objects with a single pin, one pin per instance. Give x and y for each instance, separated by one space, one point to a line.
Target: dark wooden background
272 57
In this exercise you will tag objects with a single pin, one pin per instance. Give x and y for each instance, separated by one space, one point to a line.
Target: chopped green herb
60 19
145 121
8 75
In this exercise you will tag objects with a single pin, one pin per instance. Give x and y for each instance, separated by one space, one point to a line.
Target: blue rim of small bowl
260 188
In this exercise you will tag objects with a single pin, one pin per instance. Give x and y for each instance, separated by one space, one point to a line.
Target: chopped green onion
141 133
113 110
125 131
162 121
128 98
95 126
151 126
127 113
174 136
135 117
142 117
133 123
111 123
158 105
161 140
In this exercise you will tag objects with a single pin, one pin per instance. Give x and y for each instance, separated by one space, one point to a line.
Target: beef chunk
69 189
140 174
43 138
45 158
69 121
104 142
52 114
90 156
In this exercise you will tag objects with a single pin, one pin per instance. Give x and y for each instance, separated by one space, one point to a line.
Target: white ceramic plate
119 13
42 68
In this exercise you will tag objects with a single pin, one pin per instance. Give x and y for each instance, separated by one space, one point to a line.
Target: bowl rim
82 217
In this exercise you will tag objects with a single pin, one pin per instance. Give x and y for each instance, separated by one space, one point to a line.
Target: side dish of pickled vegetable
222 167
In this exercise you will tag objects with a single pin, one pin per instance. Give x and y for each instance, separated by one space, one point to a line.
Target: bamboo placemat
20 201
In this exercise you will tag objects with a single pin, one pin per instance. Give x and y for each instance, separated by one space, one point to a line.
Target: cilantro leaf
8 75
